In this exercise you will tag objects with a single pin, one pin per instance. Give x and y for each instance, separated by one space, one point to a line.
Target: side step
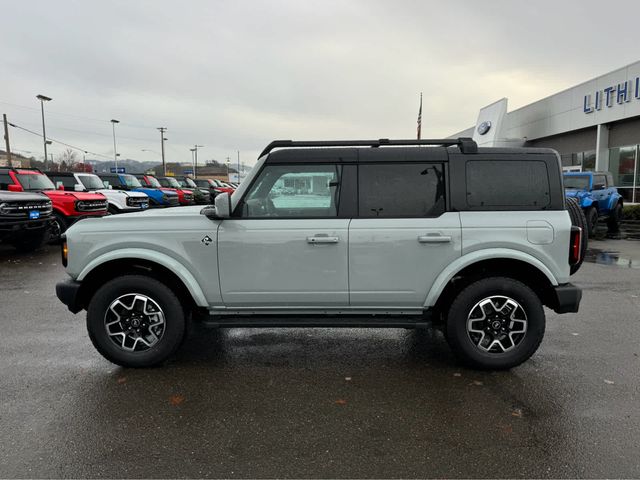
304 321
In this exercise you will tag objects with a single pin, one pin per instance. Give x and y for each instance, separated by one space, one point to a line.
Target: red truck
68 207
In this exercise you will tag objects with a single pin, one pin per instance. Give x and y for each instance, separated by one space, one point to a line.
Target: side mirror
221 210
110 187
78 188
60 187
15 188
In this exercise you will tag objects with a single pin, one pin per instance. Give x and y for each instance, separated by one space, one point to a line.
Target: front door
402 238
287 246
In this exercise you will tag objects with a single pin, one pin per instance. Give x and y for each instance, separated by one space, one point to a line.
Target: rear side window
69 183
509 183
5 181
401 190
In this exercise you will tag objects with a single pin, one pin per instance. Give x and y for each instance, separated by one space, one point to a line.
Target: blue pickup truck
597 196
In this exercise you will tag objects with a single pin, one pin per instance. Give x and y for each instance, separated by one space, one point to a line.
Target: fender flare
477 256
162 259
586 203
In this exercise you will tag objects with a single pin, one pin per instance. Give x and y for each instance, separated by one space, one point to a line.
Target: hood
575 193
77 195
6 196
133 194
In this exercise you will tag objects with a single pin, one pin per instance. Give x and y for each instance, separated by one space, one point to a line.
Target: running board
332 321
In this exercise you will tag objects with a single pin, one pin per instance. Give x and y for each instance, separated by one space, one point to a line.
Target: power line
58 141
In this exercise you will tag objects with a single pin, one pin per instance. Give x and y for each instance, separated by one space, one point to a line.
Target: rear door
403 237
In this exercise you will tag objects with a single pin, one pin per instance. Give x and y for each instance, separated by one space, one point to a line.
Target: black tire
32 242
174 321
466 302
613 222
578 219
112 210
591 216
58 227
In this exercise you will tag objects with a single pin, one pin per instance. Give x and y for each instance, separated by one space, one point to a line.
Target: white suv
363 233
120 201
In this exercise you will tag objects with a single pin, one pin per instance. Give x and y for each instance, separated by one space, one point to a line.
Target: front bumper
566 298
68 293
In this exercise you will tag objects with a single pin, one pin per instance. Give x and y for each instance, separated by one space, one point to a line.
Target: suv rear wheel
495 323
135 321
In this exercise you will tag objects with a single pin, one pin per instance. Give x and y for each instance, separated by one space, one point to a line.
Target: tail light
575 247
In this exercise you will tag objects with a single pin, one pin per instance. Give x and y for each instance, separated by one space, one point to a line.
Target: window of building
294 191
512 183
401 190
623 166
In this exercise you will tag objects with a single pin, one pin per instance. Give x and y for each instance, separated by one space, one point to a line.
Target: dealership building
594 126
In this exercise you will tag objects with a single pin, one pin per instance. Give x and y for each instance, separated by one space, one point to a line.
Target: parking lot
321 402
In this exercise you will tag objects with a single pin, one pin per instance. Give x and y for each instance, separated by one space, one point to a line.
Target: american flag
420 117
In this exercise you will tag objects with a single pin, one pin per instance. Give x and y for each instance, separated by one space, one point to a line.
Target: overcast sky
233 75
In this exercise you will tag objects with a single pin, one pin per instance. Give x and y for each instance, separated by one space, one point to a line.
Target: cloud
233 75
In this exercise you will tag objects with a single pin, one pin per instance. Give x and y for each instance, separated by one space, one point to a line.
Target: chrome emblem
484 127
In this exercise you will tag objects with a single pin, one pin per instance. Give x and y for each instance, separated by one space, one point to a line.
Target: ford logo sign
484 127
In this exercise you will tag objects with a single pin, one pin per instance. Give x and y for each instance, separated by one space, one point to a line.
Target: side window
303 191
5 181
401 190
507 183
68 182
599 180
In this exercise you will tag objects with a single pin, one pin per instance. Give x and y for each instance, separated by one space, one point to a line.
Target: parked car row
37 206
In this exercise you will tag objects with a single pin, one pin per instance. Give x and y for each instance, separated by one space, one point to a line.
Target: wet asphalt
320 402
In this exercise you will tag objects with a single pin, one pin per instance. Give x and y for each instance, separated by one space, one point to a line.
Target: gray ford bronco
382 233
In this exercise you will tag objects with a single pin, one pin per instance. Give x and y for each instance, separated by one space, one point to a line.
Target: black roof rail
466 144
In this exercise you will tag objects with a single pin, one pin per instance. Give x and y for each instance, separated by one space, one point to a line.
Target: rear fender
474 257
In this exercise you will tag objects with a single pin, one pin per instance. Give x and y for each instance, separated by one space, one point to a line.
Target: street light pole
195 164
164 165
238 166
228 162
115 151
44 98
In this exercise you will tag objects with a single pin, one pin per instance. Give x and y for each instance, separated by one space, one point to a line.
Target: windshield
153 181
183 183
130 181
190 183
31 181
91 182
202 183
578 182
170 182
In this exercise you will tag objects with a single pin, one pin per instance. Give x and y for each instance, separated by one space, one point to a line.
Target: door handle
322 239
434 238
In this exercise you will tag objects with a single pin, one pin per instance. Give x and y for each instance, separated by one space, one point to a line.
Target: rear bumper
566 298
68 293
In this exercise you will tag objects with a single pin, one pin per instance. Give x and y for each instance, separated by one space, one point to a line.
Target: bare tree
67 160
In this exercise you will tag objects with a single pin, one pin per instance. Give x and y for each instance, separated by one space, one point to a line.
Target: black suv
25 219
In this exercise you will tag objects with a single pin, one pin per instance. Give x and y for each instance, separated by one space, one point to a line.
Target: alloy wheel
497 324
134 322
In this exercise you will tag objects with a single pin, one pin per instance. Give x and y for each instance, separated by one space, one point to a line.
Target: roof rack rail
466 144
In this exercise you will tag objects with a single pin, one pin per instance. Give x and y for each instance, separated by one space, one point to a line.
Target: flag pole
420 118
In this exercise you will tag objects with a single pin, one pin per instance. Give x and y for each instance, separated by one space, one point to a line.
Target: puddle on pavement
604 257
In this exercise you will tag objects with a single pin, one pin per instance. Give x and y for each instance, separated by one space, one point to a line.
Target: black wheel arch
514 269
134 266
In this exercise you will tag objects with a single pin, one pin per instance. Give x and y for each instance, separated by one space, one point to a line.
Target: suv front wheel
135 321
495 323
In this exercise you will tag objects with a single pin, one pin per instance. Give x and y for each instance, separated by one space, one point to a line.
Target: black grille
136 201
91 205
174 200
22 209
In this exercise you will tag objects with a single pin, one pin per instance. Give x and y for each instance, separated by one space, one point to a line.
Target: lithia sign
620 93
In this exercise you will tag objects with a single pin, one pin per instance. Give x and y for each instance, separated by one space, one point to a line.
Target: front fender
586 202
153 256
477 256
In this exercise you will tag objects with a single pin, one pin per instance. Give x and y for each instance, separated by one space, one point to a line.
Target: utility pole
228 162
43 99
6 139
164 165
